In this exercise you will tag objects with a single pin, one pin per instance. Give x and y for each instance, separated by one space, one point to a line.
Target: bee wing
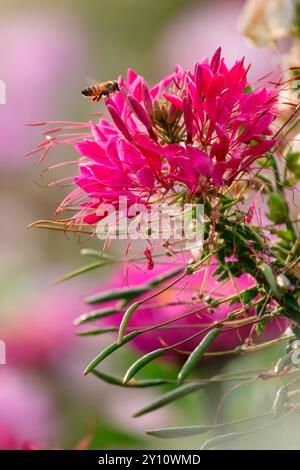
93 81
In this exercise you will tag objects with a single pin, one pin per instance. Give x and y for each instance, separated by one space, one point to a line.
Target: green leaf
77 272
266 270
97 331
293 163
265 162
169 397
218 271
92 253
94 315
176 432
261 308
286 235
249 294
108 378
278 208
126 317
197 354
133 383
260 327
130 293
142 362
108 351
117 294
166 277
248 89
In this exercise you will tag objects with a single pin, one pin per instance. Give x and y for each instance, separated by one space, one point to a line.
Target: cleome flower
192 133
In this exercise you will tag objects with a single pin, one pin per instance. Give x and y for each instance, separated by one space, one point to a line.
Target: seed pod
197 354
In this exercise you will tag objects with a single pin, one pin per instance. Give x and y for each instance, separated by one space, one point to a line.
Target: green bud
293 163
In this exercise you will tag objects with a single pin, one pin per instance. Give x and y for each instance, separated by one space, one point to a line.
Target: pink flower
181 300
27 410
10 441
193 132
45 331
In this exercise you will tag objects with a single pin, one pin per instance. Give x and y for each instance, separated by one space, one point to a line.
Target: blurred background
49 51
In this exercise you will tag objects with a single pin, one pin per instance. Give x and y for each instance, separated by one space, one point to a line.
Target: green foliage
268 254
108 351
170 397
94 315
197 354
270 278
248 90
183 431
142 362
296 19
278 208
293 164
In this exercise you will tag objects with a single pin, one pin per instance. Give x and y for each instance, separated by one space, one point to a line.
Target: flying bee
95 92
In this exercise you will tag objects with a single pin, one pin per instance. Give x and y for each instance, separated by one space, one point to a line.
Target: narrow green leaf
108 378
249 294
170 397
126 317
197 354
133 383
142 362
270 278
77 272
97 331
94 315
91 252
166 277
108 351
146 383
176 432
117 294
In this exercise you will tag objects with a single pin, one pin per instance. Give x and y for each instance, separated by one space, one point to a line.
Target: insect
95 92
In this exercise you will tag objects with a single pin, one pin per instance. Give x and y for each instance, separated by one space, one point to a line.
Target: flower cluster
192 139
192 133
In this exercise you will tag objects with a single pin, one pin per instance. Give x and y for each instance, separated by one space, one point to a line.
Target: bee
95 92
